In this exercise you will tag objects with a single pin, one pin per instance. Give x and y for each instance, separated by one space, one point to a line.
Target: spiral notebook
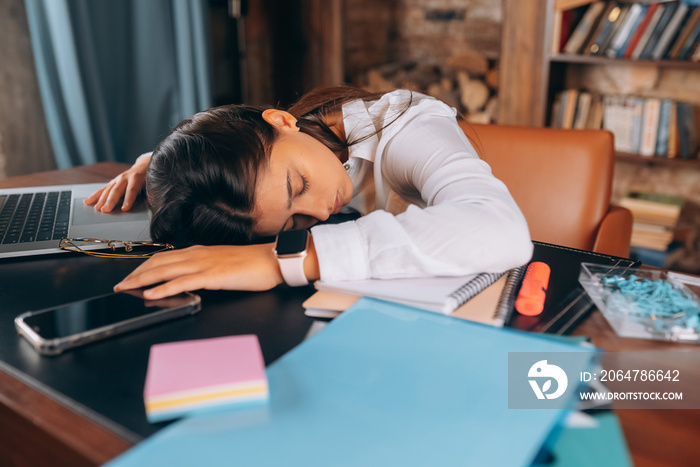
491 295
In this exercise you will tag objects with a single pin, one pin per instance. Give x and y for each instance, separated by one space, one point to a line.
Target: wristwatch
291 251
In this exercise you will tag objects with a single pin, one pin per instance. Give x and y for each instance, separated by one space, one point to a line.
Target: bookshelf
532 73
595 60
657 160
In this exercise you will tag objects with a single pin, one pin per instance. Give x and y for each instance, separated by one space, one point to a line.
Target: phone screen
87 315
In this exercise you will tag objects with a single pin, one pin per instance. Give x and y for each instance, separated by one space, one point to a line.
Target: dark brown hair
201 178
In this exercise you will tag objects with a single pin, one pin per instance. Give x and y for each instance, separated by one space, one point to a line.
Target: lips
338 204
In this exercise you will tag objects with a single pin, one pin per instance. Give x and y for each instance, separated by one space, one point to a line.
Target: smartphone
54 330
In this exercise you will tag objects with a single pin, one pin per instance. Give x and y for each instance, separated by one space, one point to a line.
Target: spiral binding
505 304
466 292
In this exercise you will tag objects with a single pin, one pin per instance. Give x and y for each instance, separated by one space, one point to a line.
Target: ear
280 119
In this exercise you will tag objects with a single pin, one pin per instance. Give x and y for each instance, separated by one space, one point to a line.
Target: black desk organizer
566 303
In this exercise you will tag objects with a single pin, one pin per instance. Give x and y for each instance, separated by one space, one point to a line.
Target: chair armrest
615 232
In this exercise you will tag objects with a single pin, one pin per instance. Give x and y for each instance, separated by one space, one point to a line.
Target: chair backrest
561 179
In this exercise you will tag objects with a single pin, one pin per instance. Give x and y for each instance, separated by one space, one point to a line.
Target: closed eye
304 184
304 188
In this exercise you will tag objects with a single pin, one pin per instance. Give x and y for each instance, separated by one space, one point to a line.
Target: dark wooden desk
40 429
36 429
655 437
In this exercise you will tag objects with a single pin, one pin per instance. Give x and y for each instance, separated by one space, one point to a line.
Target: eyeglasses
117 248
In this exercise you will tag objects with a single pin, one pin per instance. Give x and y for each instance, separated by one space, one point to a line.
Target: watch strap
292 268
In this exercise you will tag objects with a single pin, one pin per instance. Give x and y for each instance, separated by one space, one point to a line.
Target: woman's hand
229 267
127 184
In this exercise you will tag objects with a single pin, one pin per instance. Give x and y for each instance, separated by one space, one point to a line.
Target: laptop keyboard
34 217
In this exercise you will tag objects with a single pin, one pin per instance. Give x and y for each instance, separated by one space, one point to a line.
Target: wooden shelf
595 60
657 160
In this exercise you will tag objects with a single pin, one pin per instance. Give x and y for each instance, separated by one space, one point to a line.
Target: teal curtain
116 75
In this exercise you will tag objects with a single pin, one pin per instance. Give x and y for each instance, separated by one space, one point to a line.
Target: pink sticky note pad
184 377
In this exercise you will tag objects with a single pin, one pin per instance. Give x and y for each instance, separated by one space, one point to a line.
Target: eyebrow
289 190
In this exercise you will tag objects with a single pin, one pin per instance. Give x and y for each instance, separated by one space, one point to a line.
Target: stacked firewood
467 81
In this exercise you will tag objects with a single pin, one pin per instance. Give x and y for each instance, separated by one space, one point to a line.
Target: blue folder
581 446
382 385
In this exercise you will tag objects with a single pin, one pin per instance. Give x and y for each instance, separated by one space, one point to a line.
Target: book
696 55
640 30
612 20
686 31
662 134
595 114
492 305
650 124
648 31
557 26
653 208
648 216
328 305
495 303
619 22
661 26
654 202
672 131
671 31
204 375
619 119
632 31
602 28
656 237
687 136
563 26
611 111
632 115
556 111
438 294
584 28
582 110
638 112
569 104
625 29
385 384
659 258
690 43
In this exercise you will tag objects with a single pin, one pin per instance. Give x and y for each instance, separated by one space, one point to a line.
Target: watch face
291 242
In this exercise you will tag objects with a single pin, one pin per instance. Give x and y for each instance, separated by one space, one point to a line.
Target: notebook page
428 293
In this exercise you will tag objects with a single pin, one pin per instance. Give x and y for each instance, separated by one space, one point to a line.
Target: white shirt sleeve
470 222
145 155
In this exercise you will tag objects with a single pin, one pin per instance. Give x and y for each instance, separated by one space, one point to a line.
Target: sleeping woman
245 193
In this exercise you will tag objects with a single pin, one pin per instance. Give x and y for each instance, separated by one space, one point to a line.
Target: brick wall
377 32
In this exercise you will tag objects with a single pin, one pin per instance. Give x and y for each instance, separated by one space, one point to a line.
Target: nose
316 208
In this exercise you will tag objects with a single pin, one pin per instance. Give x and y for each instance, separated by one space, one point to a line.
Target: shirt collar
358 122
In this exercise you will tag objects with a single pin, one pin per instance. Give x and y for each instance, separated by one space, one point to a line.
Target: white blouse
430 206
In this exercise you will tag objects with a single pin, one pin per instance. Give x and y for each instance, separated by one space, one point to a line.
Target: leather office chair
562 181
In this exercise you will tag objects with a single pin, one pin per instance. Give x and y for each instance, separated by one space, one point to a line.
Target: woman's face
303 184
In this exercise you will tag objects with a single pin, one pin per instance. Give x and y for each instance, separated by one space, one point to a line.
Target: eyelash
304 184
304 189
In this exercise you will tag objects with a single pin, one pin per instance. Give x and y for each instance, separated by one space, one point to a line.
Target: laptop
34 220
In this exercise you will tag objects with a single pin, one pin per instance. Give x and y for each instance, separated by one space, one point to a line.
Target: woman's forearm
311 268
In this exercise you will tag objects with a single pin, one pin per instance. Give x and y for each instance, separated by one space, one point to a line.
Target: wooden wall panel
524 70
323 28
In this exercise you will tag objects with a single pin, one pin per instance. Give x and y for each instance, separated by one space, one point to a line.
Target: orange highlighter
533 291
